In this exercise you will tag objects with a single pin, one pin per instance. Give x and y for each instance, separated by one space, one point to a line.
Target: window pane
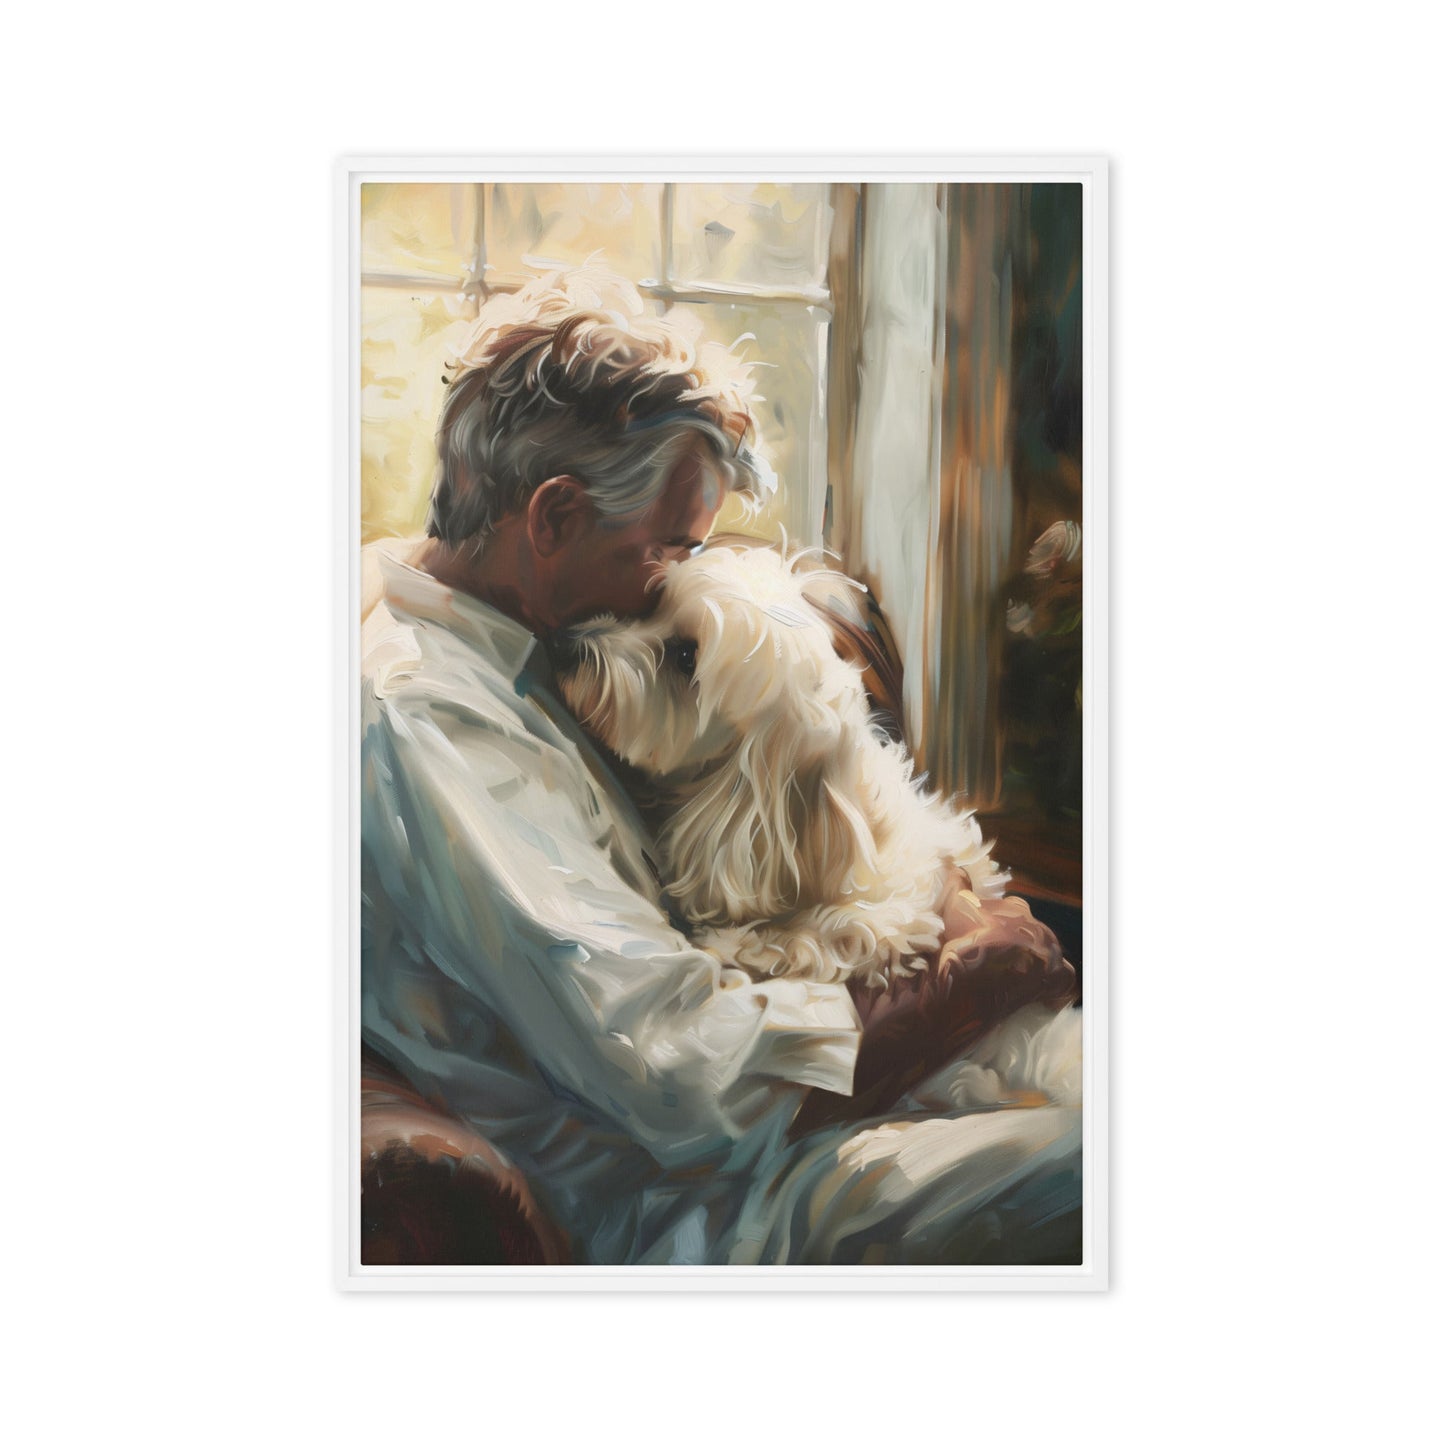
405 340
533 227
786 345
418 229
752 235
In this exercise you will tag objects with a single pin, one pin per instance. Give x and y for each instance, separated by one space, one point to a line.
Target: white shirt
517 961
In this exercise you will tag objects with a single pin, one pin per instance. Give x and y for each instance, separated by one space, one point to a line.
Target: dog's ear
773 830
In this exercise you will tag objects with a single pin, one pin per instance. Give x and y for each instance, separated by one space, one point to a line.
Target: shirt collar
502 640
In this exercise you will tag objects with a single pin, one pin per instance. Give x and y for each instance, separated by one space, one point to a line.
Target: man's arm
475 834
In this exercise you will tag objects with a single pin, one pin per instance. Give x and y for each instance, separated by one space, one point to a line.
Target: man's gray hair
570 376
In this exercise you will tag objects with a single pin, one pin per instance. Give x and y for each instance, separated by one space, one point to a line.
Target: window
751 259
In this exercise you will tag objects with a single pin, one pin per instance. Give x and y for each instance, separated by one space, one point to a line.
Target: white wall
168 1002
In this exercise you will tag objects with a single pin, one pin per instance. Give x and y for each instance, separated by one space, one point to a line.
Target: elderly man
519 967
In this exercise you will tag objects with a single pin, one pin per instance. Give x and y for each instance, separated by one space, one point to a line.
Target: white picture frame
1091 174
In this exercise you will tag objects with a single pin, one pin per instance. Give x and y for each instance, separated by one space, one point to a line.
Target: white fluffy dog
797 840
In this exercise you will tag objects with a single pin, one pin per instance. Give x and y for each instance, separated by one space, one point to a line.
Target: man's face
610 567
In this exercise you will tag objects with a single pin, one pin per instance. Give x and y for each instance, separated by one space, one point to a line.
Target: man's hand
995 958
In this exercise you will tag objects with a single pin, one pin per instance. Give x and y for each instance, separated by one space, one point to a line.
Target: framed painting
722 553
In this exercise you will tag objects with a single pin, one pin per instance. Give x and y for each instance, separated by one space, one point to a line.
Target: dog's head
732 692
736 650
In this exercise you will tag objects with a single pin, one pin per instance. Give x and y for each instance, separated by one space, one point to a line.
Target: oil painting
724 568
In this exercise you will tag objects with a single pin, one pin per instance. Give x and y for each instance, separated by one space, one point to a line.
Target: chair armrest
433 1191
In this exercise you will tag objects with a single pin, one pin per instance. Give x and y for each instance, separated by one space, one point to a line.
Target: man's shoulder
440 670
410 667
411 643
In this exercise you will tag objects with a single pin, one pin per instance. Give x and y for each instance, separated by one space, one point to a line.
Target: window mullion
668 191
477 288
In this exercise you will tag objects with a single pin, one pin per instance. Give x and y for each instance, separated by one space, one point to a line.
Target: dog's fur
796 839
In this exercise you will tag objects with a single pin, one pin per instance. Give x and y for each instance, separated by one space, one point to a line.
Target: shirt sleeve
493 851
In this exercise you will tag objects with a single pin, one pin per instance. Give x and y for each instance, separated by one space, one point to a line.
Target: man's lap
981 1164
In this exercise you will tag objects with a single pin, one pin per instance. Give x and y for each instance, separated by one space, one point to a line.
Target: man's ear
556 513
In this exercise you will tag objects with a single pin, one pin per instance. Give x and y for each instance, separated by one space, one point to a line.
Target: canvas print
721 724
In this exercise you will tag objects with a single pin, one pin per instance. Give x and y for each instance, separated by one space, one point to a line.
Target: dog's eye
683 656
